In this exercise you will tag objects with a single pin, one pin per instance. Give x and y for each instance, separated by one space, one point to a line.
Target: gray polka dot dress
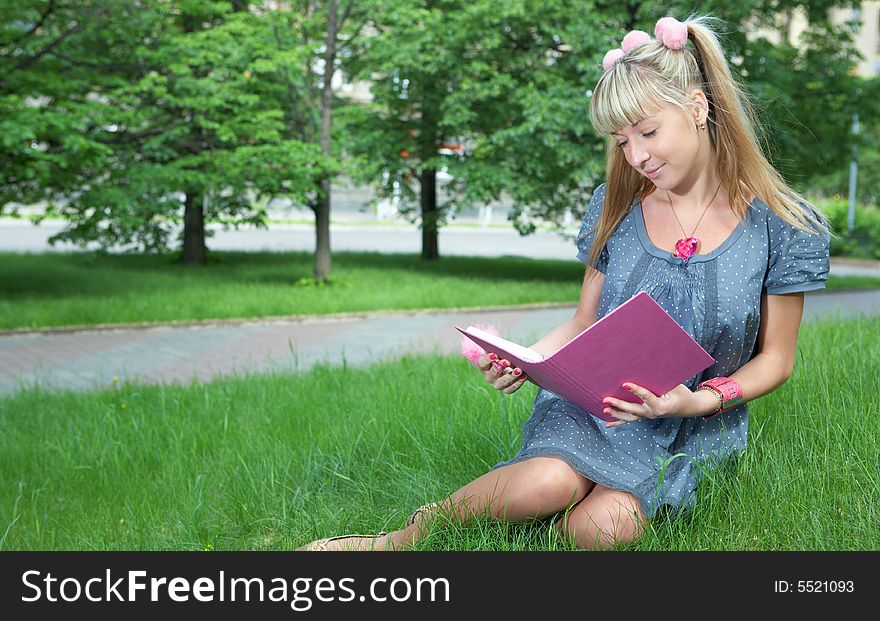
716 298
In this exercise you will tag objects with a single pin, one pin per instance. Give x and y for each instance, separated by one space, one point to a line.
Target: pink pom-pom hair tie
668 30
471 350
671 32
611 57
634 39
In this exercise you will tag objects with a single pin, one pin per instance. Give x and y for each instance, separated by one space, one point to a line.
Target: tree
506 80
176 124
511 82
55 60
130 118
308 36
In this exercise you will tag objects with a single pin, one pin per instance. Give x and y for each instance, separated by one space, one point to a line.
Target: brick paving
87 359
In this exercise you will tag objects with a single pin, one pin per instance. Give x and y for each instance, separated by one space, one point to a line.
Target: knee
602 525
552 486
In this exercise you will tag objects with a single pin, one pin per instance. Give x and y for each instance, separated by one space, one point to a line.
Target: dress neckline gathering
652 249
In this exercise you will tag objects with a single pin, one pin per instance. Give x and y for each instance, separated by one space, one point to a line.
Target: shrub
863 241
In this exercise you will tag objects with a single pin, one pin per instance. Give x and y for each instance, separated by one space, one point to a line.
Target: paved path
165 354
92 358
353 236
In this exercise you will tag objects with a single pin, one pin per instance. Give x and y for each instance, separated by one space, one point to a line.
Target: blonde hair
651 76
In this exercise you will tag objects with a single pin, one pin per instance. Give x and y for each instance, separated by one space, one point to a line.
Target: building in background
867 38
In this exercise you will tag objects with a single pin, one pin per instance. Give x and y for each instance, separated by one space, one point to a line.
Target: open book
637 342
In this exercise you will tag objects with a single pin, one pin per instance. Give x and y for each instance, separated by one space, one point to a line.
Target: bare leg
603 518
526 490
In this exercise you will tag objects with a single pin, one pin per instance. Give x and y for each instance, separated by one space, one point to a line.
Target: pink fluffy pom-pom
673 33
634 39
661 24
612 57
471 350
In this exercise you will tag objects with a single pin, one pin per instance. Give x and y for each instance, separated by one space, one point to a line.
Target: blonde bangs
628 94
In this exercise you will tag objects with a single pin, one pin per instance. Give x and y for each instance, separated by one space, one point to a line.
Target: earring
701 126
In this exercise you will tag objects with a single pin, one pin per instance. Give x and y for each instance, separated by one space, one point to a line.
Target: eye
650 133
620 145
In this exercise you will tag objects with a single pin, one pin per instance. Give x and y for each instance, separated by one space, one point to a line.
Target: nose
637 154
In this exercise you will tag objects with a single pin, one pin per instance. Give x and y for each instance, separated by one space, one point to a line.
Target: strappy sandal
321 544
428 510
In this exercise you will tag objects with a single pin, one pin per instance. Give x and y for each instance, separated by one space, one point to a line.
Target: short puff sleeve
798 261
587 233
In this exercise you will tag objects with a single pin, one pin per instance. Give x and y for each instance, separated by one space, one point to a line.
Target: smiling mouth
654 171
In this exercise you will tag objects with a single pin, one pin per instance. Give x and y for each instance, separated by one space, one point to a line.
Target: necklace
686 247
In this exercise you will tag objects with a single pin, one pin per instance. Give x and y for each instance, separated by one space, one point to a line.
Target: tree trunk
323 256
194 251
322 206
430 215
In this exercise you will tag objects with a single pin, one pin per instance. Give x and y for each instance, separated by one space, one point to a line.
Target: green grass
274 461
84 289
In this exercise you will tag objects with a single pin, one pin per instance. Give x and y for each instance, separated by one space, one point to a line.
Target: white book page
520 351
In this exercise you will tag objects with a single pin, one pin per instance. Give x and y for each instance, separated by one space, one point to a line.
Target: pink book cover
637 342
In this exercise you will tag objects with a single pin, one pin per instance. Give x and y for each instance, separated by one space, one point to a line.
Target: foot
347 543
422 513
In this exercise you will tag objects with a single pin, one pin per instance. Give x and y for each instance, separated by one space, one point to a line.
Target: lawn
86 289
273 461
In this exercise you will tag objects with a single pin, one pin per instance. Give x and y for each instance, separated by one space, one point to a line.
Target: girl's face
666 147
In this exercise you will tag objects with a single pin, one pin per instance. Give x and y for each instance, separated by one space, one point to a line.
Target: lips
652 174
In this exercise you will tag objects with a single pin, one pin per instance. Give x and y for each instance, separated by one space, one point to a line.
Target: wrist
706 402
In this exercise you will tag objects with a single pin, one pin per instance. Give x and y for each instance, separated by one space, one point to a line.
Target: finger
515 386
506 378
625 406
494 371
642 393
484 362
617 423
620 415
500 366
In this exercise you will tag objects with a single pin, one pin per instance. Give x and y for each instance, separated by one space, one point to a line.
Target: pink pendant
686 248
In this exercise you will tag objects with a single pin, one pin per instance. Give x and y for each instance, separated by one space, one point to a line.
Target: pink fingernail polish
517 372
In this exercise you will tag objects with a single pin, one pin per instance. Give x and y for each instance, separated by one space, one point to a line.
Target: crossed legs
531 489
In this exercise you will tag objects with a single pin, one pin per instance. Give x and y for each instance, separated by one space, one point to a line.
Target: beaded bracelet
718 394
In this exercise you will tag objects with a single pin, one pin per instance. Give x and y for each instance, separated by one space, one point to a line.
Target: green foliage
835 180
56 61
505 80
511 81
114 113
183 110
864 240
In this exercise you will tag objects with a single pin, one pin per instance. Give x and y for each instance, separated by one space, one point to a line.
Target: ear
700 105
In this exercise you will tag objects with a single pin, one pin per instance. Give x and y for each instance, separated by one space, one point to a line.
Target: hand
678 402
500 374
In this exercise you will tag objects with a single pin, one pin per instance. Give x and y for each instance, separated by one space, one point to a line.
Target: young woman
692 213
